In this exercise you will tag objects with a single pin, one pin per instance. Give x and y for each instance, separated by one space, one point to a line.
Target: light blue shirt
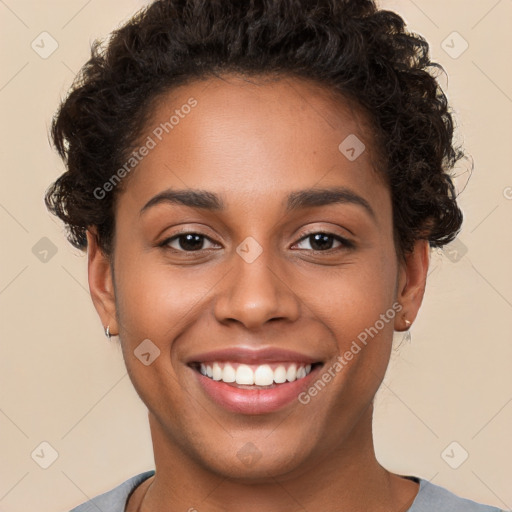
430 498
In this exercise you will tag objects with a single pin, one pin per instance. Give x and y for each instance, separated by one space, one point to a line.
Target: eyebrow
312 197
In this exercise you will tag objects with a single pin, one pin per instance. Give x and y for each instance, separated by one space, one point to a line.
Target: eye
322 242
193 242
186 242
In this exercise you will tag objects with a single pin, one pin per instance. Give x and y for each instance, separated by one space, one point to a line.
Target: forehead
254 139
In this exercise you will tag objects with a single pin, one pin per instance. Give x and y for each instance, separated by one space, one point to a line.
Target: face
278 265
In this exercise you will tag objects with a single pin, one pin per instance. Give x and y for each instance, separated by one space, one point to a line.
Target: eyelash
346 244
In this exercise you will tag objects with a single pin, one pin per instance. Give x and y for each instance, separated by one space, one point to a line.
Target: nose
255 293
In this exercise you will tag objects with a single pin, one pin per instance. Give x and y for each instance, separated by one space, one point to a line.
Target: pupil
192 242
321 241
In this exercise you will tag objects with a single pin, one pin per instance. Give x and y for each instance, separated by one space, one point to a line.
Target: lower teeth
251 386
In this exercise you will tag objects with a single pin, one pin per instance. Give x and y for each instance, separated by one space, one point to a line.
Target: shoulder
432 497
115 499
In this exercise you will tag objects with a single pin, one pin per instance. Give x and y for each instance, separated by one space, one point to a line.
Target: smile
254 374
253 381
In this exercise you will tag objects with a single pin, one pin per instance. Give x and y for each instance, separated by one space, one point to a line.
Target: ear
412 277
101 282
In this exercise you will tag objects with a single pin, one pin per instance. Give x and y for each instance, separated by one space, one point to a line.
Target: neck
349 477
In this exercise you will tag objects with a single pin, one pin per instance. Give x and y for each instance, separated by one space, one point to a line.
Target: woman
258 186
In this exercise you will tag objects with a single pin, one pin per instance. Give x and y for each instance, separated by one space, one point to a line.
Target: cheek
155 304
359 306
155 300
353 299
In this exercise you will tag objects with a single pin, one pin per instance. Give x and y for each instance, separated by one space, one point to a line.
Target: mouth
254 376
254 382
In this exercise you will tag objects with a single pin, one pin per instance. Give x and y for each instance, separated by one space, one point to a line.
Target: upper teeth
260 375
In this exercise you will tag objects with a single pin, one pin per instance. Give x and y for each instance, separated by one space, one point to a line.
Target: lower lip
254 401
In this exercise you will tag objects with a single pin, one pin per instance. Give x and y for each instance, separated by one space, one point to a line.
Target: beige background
63 383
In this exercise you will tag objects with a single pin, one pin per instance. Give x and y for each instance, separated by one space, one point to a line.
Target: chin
258 458
258 467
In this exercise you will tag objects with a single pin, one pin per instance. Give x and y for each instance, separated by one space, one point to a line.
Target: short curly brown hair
348 46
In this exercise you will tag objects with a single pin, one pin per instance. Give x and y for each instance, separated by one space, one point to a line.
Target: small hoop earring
107 332
407 322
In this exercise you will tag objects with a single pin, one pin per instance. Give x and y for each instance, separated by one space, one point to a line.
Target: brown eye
322 242
186 242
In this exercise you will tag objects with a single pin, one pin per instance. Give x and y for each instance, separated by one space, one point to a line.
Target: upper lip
252 356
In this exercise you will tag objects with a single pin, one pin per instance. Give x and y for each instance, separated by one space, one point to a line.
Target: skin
253 144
